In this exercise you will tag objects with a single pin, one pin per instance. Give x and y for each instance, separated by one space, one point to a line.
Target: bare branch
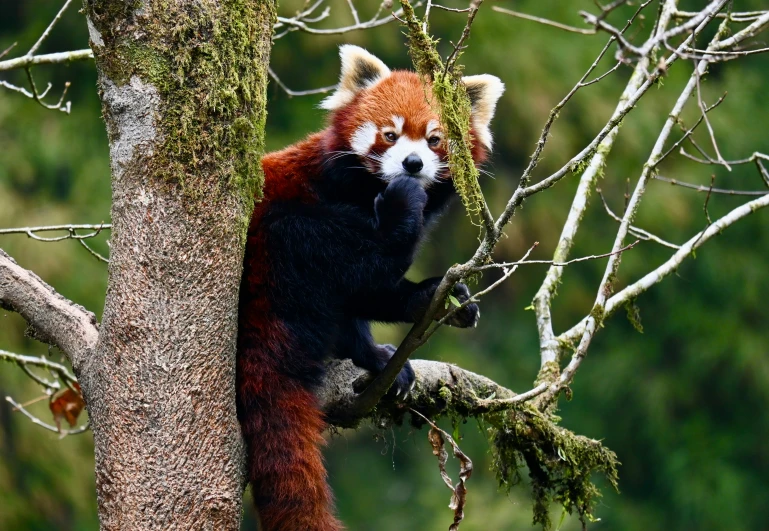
25 362
708 160
672 264
764 173
72 234
7 50
636 231
52 318
38 97
605 287
48 29
449 9
688 132
542 300
555 264
493 405
703 110
46 59
62 433
738 16
292 93
547 22
475 5
710 189
71 230
353 11
93 253
300 22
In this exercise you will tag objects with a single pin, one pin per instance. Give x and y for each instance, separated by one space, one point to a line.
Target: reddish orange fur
286 466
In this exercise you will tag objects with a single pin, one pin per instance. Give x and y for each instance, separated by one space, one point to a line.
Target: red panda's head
389 120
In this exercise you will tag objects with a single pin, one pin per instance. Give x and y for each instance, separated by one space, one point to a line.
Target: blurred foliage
680 404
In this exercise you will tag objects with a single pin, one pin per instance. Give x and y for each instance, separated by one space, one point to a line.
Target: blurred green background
683 403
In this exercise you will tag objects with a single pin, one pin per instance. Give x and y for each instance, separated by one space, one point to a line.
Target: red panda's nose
412 163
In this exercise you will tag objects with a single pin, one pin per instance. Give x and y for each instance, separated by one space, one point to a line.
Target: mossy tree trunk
182 84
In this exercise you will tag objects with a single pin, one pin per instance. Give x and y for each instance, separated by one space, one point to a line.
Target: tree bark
182 85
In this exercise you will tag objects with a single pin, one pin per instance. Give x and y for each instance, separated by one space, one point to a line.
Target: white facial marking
392 160
363 138
432 125
398 122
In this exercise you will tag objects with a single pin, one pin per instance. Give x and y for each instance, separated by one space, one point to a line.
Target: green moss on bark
208 62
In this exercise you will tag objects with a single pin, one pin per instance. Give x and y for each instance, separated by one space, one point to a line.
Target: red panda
327 250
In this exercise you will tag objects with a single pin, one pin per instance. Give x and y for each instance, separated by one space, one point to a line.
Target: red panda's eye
390 136
433 141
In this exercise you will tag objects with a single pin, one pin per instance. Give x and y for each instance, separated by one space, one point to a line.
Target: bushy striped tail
282 426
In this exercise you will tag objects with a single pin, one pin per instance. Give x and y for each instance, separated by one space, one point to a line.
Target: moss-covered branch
560 463
454 110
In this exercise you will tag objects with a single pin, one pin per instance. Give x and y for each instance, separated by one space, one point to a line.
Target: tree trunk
182 85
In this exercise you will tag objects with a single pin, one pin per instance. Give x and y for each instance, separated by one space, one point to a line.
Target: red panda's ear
484 91
360 70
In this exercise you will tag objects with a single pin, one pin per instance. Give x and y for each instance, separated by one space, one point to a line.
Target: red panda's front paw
401 204
467 316
405 380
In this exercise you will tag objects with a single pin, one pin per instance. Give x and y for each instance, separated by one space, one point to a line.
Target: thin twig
58 369
47 31
636 231
62 433
353 11
556 264
95 254
606 10
710 189
545 21
7 50
46 59
292 93
38 97
703 110
300 24
753 158
475 5
496 404
450 9
30 231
